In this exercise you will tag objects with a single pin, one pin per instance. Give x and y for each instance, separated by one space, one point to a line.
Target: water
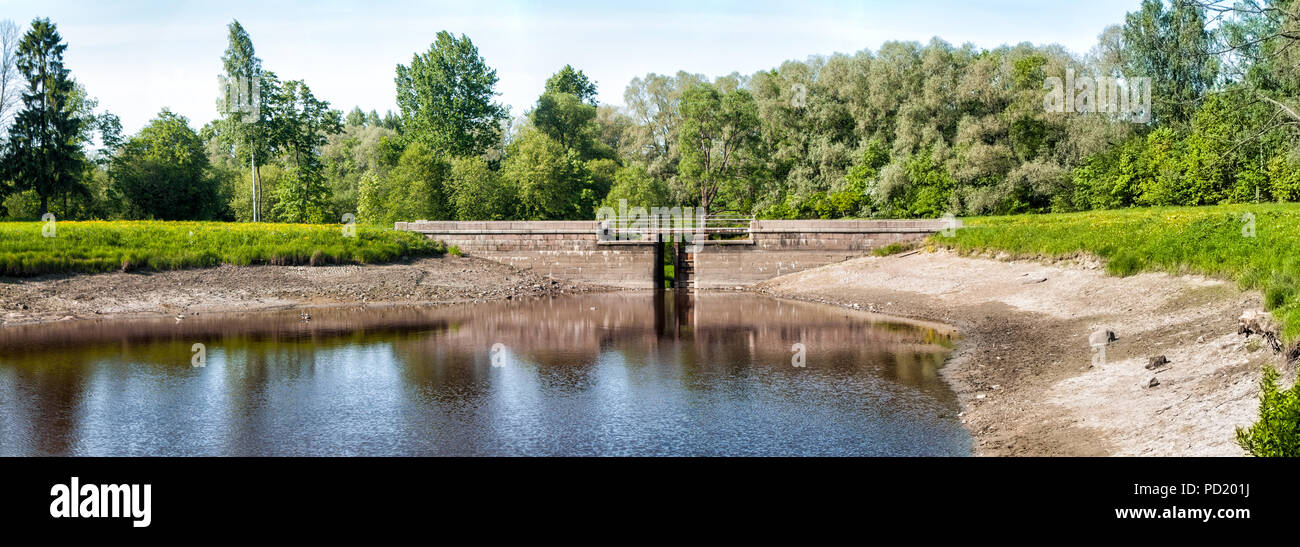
608 374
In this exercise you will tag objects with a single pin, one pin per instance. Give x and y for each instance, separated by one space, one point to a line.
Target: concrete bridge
587 251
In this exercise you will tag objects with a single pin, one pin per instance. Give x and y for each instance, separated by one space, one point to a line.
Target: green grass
893 249
1204 240
99 246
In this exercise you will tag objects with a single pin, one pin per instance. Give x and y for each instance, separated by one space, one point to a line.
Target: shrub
1277 433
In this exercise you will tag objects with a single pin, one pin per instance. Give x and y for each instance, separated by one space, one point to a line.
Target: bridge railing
725 225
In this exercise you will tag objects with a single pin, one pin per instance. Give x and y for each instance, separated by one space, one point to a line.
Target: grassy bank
1218 241
96 246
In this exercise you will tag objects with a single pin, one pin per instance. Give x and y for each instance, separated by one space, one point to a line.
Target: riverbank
448 279
1024 369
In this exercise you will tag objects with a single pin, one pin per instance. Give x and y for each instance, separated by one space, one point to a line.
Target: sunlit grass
101 246
1215 241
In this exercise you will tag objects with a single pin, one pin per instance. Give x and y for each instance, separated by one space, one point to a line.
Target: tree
446 98
574 82
717 130
417 187
302 125
162 173
246 123
43 153
1170 44
654 104
565 118
9 82
478 192
549 177
635 184
356 117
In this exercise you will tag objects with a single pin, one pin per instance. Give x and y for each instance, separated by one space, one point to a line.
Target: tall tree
302 126
43 152
717 132
566 111
241 104
10 85
574 82
446 97
1171 45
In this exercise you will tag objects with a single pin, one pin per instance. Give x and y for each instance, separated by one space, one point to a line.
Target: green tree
718 129
245 125
446 97
42 152
478 192
574 82
356 117
549 177
416 189
162 173
302 126
1171 45
636 185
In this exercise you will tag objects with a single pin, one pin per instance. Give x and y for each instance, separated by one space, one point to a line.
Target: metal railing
725 225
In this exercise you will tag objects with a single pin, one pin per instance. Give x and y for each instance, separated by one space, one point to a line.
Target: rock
1157 362
1033 280
1102 337
1153 382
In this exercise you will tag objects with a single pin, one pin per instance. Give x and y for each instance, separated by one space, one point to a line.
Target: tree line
908 130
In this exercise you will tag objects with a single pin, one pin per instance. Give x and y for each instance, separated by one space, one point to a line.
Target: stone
1157 362
1153 382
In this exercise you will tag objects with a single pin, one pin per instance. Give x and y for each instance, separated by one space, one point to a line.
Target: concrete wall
572 250
780 247
563 249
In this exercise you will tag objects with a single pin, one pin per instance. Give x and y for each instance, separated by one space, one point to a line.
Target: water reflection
613 374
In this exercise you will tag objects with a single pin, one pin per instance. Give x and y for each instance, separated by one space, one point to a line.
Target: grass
101 246
1218 241
893 249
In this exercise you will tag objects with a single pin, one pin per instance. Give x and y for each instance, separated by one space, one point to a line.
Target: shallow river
607 374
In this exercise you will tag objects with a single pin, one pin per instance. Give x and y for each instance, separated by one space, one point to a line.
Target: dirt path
1023 369
231 288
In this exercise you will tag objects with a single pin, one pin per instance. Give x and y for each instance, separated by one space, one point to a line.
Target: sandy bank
1024 373
252 288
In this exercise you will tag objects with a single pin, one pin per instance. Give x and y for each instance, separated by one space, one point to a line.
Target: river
632 373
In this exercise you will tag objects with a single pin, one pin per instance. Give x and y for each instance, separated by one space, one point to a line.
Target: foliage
1277 433
162 173
446 96
43 150
478 192
719 128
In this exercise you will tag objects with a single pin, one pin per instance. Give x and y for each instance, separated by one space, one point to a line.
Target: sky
138 57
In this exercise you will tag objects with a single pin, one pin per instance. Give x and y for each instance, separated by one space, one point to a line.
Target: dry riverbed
448 279
1024 368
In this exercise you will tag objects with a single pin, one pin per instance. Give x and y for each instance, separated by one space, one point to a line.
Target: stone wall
572 250
562 249
778 247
